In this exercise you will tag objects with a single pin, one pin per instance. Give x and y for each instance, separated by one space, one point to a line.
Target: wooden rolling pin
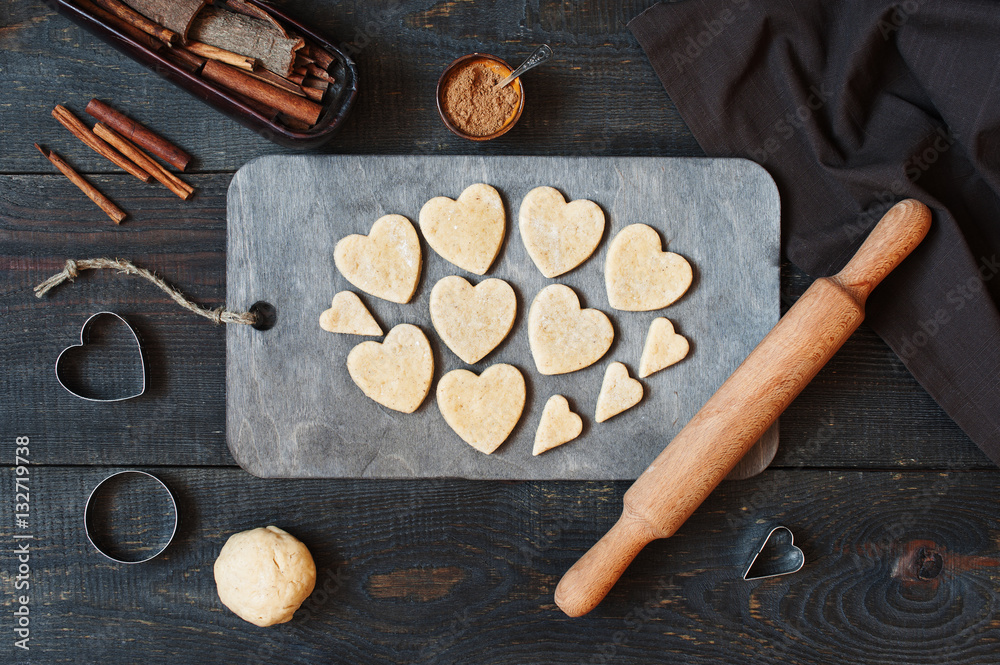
750 400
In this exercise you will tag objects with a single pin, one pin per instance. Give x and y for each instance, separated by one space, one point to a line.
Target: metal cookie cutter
106 550
84 340
789 558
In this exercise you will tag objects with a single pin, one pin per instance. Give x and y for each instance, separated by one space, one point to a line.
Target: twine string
72 270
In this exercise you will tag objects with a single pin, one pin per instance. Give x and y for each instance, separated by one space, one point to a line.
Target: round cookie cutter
87 514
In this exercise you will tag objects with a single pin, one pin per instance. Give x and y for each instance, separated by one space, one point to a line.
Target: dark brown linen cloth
852 106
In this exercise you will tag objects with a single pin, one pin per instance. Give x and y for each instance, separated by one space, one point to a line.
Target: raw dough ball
264 575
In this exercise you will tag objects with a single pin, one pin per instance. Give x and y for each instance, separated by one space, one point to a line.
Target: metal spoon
541 54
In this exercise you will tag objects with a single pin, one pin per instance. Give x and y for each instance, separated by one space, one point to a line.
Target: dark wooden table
893 506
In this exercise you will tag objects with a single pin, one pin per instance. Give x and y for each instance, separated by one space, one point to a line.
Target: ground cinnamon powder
472 105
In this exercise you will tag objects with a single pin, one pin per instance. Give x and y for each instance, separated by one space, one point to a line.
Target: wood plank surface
893 506
598 94
863 410
900 568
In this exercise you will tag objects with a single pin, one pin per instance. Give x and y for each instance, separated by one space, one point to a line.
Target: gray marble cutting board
291 407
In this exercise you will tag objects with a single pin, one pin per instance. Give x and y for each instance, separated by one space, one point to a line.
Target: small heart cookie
397 372
557 426
639 275
663 348
472 320
483 409
559 236
564 338
385 263
619 392
349 315
467 232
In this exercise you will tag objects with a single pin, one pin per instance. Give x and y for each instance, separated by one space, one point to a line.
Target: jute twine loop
72 269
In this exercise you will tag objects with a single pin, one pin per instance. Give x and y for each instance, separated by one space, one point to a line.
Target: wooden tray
292 409
337 103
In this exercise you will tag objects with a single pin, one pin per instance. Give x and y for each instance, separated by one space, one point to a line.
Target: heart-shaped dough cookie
559 236
639 275
397 372
619 392
386 262
564 338
557 426
663 348
483 409
472 320
349 315
467 232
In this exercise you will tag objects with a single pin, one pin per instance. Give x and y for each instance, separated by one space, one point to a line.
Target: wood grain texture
444 571
598 94
292 408
433 571
864 409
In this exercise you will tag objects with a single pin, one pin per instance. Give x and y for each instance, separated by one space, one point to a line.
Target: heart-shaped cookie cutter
84 337
789 563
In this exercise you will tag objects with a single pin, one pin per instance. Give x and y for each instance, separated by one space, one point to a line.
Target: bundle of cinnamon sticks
115 137
235 45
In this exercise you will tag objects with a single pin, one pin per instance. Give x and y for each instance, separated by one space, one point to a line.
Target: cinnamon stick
176 15
166 178
137 35
110 209
319 72
315 94
315 83
322 58
133 131
301 109
185 59
222 55
267 75
249 36
256 12
137 20
82 132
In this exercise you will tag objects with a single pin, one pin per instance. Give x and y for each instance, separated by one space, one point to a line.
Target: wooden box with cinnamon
246 58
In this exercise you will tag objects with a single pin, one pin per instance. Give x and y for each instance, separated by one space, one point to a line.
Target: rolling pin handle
591 578
893 238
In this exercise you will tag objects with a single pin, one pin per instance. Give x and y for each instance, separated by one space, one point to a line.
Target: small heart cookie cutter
84 338
789 563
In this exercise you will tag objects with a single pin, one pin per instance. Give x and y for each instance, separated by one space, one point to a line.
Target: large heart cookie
483 409
468 232
349 315
557 426
397 372
619 392
664 347
564 338
472 320
559 236
386 262
639 275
